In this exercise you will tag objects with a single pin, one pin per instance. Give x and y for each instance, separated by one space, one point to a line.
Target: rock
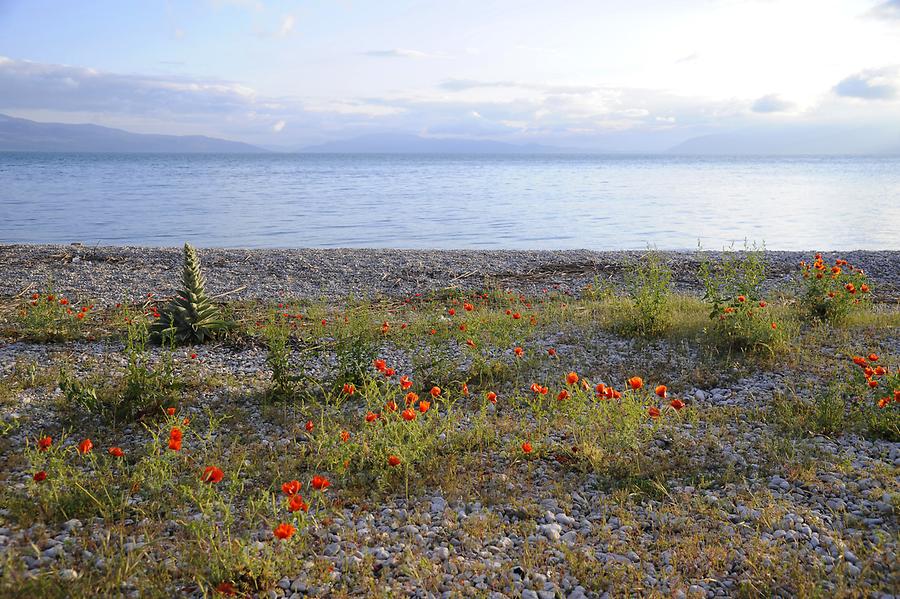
551 531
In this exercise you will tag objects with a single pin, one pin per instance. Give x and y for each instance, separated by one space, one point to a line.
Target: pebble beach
741 509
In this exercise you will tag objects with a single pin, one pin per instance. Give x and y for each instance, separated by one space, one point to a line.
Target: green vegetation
191 317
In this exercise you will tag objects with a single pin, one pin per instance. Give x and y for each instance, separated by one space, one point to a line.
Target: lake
450 201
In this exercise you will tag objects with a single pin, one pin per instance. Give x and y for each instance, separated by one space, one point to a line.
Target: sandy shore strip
107 274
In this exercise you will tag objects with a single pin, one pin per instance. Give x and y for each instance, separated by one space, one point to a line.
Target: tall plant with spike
191 317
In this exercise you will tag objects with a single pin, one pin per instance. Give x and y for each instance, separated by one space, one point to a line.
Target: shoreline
107 274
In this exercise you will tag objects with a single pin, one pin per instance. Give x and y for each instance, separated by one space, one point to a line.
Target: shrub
144 389
48 317
355 348
647 283
277 333
191 317
879 396
733 290
831 294
400 432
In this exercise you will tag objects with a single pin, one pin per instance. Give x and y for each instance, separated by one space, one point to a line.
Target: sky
642 74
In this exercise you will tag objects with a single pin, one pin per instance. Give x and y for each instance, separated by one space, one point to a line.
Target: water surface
450 201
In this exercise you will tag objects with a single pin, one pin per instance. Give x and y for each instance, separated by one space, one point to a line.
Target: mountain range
17 134
22 135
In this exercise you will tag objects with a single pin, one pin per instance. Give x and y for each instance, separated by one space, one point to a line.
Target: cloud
689 58
402 53
287 25
570 115
772 103
456 85
888 11
871 84
32 85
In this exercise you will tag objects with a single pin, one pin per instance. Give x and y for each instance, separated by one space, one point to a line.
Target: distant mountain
796 140
22 135
398 143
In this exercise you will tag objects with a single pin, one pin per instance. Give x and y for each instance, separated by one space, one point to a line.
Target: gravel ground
108 274
750 498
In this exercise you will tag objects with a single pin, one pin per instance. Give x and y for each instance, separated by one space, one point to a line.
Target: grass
167 531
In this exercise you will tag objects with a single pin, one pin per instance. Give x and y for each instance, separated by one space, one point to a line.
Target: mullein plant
191 317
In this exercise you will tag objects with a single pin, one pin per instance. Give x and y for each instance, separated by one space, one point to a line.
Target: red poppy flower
763 304
516 316
296 504
385 327
393 460
44 443
40 476
291 487
468 307
85 446
551 352
284 531
379 364
451 312
571 378
661 390
492 397
526 447
116 452
405 383
864 288
348 389
371 417
518 351
464 389
424 405
653 412
193 356
345 436
677 404
389 372
635 382
741 298
873 357
471 343
212 474
320 483
175 444
170 411
435 391
408 414
774 326
564 394
227 589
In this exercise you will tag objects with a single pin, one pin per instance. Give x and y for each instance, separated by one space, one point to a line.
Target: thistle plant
191 317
